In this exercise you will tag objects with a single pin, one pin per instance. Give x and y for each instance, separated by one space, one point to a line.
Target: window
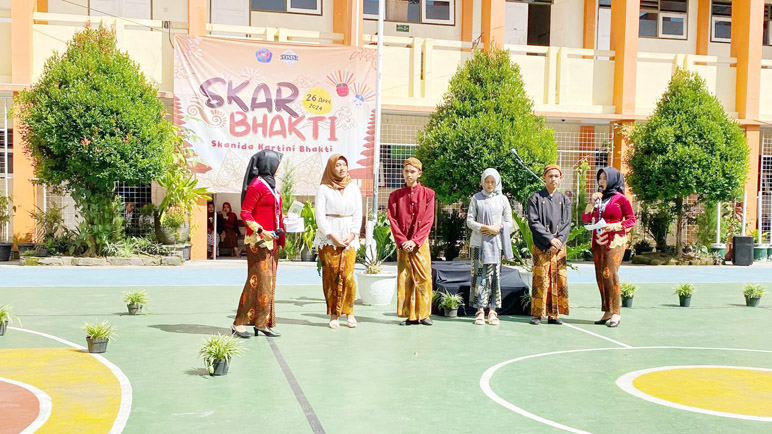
721 21
413 11
313 7
767 25
662 19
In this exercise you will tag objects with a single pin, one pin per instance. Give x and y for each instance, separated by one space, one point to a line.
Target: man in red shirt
411 214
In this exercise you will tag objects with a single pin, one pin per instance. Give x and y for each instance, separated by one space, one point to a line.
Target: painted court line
597 335
43 399
316 425
625 383
123 380
485 380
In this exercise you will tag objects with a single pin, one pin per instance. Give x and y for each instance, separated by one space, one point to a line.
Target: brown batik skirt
338 279
607 262
414 283
550 284
256 305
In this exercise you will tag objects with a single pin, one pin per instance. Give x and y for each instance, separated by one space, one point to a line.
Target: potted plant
6 318
684 292
48 223
643 246
309 233
375 286
217 352
5 218
98 335
522 249
135 301
753 293
628 291
450 303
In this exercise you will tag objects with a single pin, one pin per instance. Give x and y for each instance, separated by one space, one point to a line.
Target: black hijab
264 165
615 182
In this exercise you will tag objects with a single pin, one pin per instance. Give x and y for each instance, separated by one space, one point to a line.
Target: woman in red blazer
261 213
609 242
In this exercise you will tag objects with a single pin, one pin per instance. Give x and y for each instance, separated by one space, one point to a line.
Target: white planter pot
376 288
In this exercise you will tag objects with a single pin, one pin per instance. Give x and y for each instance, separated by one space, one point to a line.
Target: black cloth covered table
455 276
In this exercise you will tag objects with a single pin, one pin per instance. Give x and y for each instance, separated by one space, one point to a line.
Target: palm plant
384 246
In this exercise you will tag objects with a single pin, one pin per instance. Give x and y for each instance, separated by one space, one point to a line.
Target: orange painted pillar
703 26
197 27
348 19
467 21
24 192
197 17
624 43
747 27
590 24
492 29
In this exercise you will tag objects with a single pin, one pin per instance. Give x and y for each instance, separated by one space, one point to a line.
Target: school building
589 65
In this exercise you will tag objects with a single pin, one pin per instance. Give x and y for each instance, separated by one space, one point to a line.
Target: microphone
275 234
598 201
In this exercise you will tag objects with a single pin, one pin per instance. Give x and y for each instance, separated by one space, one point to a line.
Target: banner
234 98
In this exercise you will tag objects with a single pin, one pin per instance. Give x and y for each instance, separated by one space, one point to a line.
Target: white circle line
126 392
44 401
625 383
488 374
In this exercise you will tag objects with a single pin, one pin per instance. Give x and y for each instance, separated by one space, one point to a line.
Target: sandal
479 319
334 323
493 318
351 322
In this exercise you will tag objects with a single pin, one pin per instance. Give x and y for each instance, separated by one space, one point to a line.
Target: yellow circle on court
317 101
740 391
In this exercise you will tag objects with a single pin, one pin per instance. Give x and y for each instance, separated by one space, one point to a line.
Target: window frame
648 11
291 10
715 19
681 15
449 22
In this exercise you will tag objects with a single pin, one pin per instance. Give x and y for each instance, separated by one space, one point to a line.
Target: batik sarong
256 305
550 288
486 290
607 262
338 279
414 283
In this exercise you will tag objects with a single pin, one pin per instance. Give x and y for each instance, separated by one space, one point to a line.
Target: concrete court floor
452 377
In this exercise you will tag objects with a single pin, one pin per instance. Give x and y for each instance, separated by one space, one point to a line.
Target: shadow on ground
193 329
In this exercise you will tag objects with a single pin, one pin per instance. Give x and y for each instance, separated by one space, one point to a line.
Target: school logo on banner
289 57
230 109
263 55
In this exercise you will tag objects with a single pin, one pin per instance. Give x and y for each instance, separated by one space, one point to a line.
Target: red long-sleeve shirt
618 210
411 214
260 206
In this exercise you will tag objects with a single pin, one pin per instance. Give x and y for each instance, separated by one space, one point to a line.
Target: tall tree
92 120
688 146
484 115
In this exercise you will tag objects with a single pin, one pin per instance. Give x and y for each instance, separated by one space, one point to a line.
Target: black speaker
743 250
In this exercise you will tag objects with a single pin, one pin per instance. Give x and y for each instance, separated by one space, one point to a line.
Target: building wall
567 23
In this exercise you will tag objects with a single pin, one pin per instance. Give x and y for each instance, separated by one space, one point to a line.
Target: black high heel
268 333
602 321
243 335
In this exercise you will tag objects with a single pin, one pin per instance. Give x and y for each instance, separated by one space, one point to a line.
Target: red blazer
411 214
260 206
618 210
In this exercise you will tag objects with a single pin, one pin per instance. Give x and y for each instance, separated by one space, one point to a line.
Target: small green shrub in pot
628 291
135 301
753 293
217 352
98 335
450 303
6 318
684 292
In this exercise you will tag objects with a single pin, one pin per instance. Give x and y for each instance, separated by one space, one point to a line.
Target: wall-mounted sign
403 28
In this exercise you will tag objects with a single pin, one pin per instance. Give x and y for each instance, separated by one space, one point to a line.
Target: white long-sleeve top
501 211
346 203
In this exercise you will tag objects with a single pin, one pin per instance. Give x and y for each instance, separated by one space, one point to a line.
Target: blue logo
263 55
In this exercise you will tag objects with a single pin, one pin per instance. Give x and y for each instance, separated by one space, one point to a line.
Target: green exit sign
403 28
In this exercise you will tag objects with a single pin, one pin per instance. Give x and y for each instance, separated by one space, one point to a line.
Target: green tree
484 115
688 146
92 120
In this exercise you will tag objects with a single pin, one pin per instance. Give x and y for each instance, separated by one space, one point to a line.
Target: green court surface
452 377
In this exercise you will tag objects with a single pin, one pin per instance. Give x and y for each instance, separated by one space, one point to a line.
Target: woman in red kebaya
610 241
261 212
